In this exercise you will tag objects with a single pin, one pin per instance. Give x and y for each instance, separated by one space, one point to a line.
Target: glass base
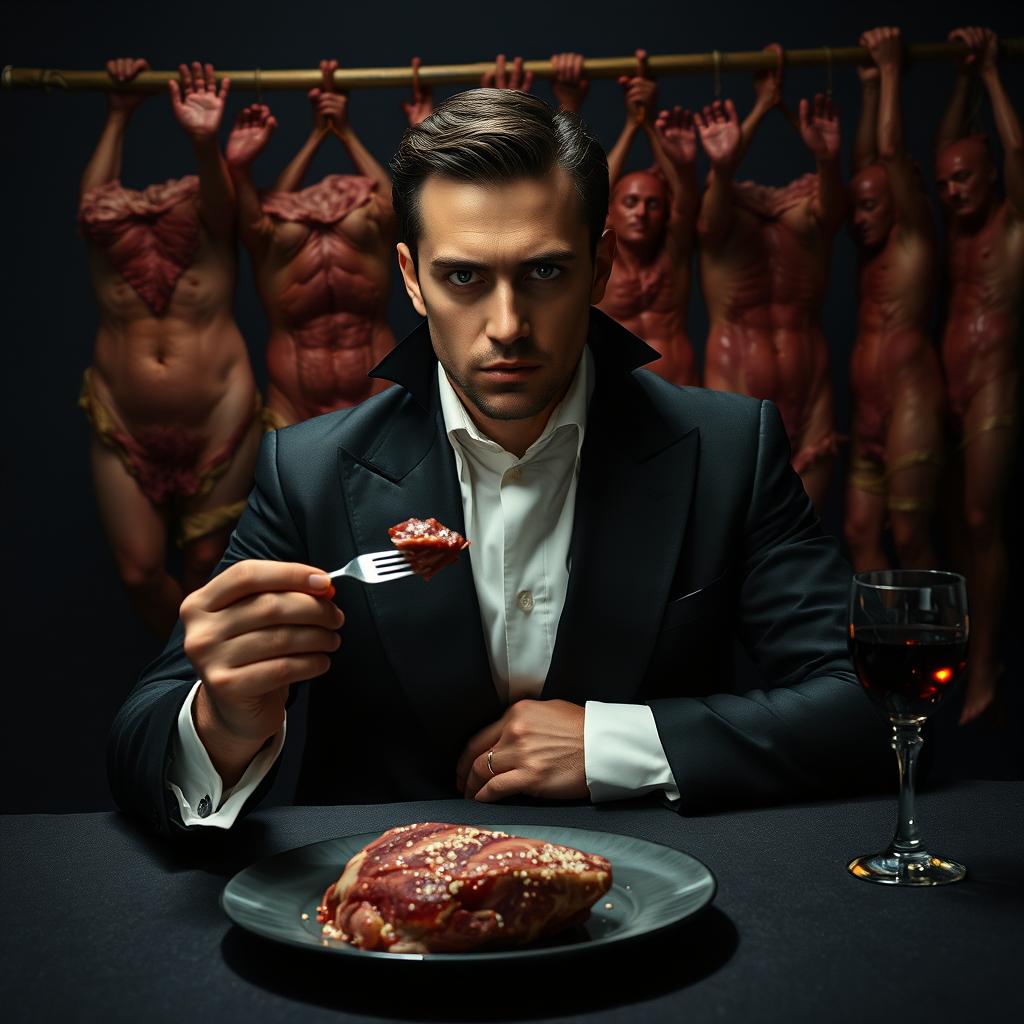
894 868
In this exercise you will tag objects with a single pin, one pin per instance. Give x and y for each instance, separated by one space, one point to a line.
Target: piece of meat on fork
428 546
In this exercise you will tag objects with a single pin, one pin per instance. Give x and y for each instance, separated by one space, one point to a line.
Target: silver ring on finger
490 761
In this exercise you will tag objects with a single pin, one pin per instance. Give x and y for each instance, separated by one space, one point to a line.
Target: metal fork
376 567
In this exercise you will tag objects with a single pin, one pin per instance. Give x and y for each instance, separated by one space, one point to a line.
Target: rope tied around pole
47 78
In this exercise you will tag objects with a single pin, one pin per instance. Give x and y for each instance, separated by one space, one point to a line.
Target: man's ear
603 259
410 278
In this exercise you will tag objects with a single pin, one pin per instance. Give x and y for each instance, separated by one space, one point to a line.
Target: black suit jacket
690 528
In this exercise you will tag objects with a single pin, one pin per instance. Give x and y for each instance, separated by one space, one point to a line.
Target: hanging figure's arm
291 178
105 163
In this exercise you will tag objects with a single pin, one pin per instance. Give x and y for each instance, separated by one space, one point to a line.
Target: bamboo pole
468 74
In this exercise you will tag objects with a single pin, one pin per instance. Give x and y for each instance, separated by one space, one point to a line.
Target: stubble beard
511 404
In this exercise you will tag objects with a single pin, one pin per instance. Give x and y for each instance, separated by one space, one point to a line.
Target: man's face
965 177
871 216
506 281
638 212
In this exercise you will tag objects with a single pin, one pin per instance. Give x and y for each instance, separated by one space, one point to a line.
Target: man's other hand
536 748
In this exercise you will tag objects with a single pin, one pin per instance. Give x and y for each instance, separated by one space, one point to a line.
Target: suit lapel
636 484
431 632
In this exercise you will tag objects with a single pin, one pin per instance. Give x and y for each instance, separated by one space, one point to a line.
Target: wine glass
908 641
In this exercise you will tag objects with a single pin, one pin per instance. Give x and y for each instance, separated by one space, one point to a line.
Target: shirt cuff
623 753
196 784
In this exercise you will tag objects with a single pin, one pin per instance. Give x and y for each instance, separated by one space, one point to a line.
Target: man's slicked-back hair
492 136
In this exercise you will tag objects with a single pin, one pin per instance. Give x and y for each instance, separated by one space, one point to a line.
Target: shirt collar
570 412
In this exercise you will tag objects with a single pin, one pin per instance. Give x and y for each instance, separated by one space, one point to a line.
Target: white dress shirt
518 514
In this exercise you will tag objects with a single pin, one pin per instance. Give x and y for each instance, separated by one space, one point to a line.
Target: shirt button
525 599
205 806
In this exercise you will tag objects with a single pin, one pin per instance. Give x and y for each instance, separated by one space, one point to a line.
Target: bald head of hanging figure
170 394
764 258
652 214
981 339
895 376
321 257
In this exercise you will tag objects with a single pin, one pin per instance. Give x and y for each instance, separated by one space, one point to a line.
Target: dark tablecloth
100 922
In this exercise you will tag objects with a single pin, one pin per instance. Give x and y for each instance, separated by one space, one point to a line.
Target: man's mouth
509 371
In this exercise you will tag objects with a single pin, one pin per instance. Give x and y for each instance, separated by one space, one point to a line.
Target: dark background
72 646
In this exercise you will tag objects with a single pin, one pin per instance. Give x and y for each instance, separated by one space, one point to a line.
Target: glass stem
906 741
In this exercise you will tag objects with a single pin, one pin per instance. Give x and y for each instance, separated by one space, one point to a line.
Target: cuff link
205 807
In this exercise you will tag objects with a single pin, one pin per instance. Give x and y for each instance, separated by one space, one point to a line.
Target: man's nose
506 322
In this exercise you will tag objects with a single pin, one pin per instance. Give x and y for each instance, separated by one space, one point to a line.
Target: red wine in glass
908 641
908 669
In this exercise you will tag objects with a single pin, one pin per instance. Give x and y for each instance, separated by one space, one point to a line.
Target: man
170 394
621 527
653 215
764 259
321 258
898 391
981 343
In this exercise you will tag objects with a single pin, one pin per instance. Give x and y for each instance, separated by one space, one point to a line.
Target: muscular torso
187 367
651 301
324 287
893 360
981 340
764 288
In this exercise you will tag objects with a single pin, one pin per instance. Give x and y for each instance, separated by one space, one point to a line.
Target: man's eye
546 272
461 277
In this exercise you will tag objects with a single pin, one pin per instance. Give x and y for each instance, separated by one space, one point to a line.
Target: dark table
101 922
